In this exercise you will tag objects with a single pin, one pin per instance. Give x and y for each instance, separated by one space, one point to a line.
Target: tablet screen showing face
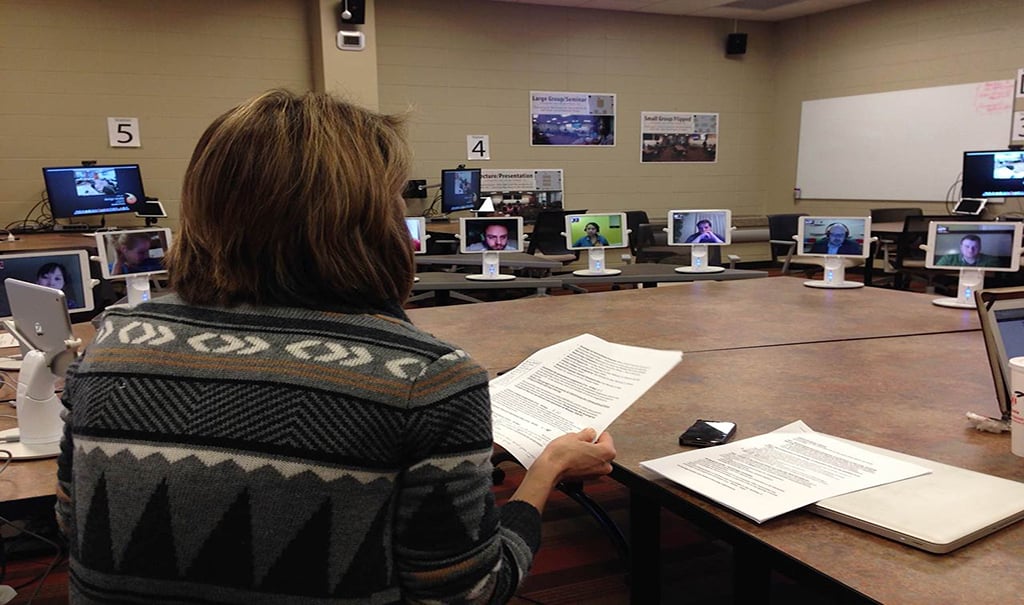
696 227
137 252
502 234
987 245
597 230
834 236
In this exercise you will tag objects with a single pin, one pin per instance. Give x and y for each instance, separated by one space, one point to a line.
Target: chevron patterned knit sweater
275 455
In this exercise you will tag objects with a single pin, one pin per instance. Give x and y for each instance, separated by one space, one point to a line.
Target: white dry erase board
905 145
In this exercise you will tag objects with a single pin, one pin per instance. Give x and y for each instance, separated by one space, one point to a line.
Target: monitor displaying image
597 230
64 270
987 245
993 174
460 189
696 227
502 234
137 252
417 226
834 236
79 191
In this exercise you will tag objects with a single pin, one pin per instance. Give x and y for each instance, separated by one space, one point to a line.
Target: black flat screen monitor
65 270
834 236
460 189
598 230
696 227
987 245
993 174
81 191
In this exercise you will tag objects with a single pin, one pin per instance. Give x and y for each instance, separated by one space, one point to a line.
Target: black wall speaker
736 44
352 12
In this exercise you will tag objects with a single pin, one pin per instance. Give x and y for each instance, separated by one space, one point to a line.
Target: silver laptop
938 512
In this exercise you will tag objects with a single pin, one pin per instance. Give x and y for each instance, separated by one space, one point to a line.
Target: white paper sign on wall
478 147
124 132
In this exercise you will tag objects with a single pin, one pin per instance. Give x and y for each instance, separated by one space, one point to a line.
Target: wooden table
651 274
48 241
877 366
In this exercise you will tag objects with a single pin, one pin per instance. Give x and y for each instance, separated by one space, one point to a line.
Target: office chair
887 247
782 229
908 262
546 239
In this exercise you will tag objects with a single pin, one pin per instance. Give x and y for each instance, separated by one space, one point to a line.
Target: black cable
40 578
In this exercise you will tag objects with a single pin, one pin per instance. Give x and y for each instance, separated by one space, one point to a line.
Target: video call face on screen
67 271
834 236
598 230
986 245
696 227
125 253
491 234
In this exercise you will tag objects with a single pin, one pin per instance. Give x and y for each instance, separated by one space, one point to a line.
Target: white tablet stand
970 280
698 262
595 264
138 288
835 275
40 426
490 267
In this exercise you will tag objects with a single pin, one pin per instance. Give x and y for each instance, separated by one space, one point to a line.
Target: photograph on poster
678 137
572 118
522 192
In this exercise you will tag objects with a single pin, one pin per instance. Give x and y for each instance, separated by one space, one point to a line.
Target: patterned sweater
277 455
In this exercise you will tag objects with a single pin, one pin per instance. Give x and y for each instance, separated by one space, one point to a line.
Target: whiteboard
906 145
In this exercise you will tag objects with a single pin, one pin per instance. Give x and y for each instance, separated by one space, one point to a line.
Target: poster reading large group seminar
678 137
572 118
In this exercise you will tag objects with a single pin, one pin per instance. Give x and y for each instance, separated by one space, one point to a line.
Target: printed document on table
765 476
583 382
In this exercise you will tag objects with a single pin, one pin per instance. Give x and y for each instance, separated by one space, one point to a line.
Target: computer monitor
699 229
83 191
491 236
998 173
460 189
837 240
973 247
417 226
64 270
134 256
594 232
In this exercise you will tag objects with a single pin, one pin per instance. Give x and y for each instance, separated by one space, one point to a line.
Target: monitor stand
835 275
490 269
970 280
698 262
595 264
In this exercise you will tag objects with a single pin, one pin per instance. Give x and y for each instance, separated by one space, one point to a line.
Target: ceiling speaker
736 44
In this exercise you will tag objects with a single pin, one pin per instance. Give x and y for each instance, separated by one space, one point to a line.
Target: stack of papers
583 382
765 476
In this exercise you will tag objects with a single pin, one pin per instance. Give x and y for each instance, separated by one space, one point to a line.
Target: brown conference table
877 366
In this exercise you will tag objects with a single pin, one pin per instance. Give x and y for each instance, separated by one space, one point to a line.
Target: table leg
644 550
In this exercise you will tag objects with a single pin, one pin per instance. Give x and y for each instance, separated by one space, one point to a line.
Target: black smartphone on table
703 433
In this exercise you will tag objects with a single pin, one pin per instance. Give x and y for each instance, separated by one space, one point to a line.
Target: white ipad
491 234
700 227
65 270
134 252
40 315
972 206
834 236
597 230
986 245
417 226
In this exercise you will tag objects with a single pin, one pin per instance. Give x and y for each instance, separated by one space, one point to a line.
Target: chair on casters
546 239
782 229
887 247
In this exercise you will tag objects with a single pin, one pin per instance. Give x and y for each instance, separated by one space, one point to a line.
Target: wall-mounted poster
572 118
678 137
522 192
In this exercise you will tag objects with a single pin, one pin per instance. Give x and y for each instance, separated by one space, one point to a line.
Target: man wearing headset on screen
969 256
836 241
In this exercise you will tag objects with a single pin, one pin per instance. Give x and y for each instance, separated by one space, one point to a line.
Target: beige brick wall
67 65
